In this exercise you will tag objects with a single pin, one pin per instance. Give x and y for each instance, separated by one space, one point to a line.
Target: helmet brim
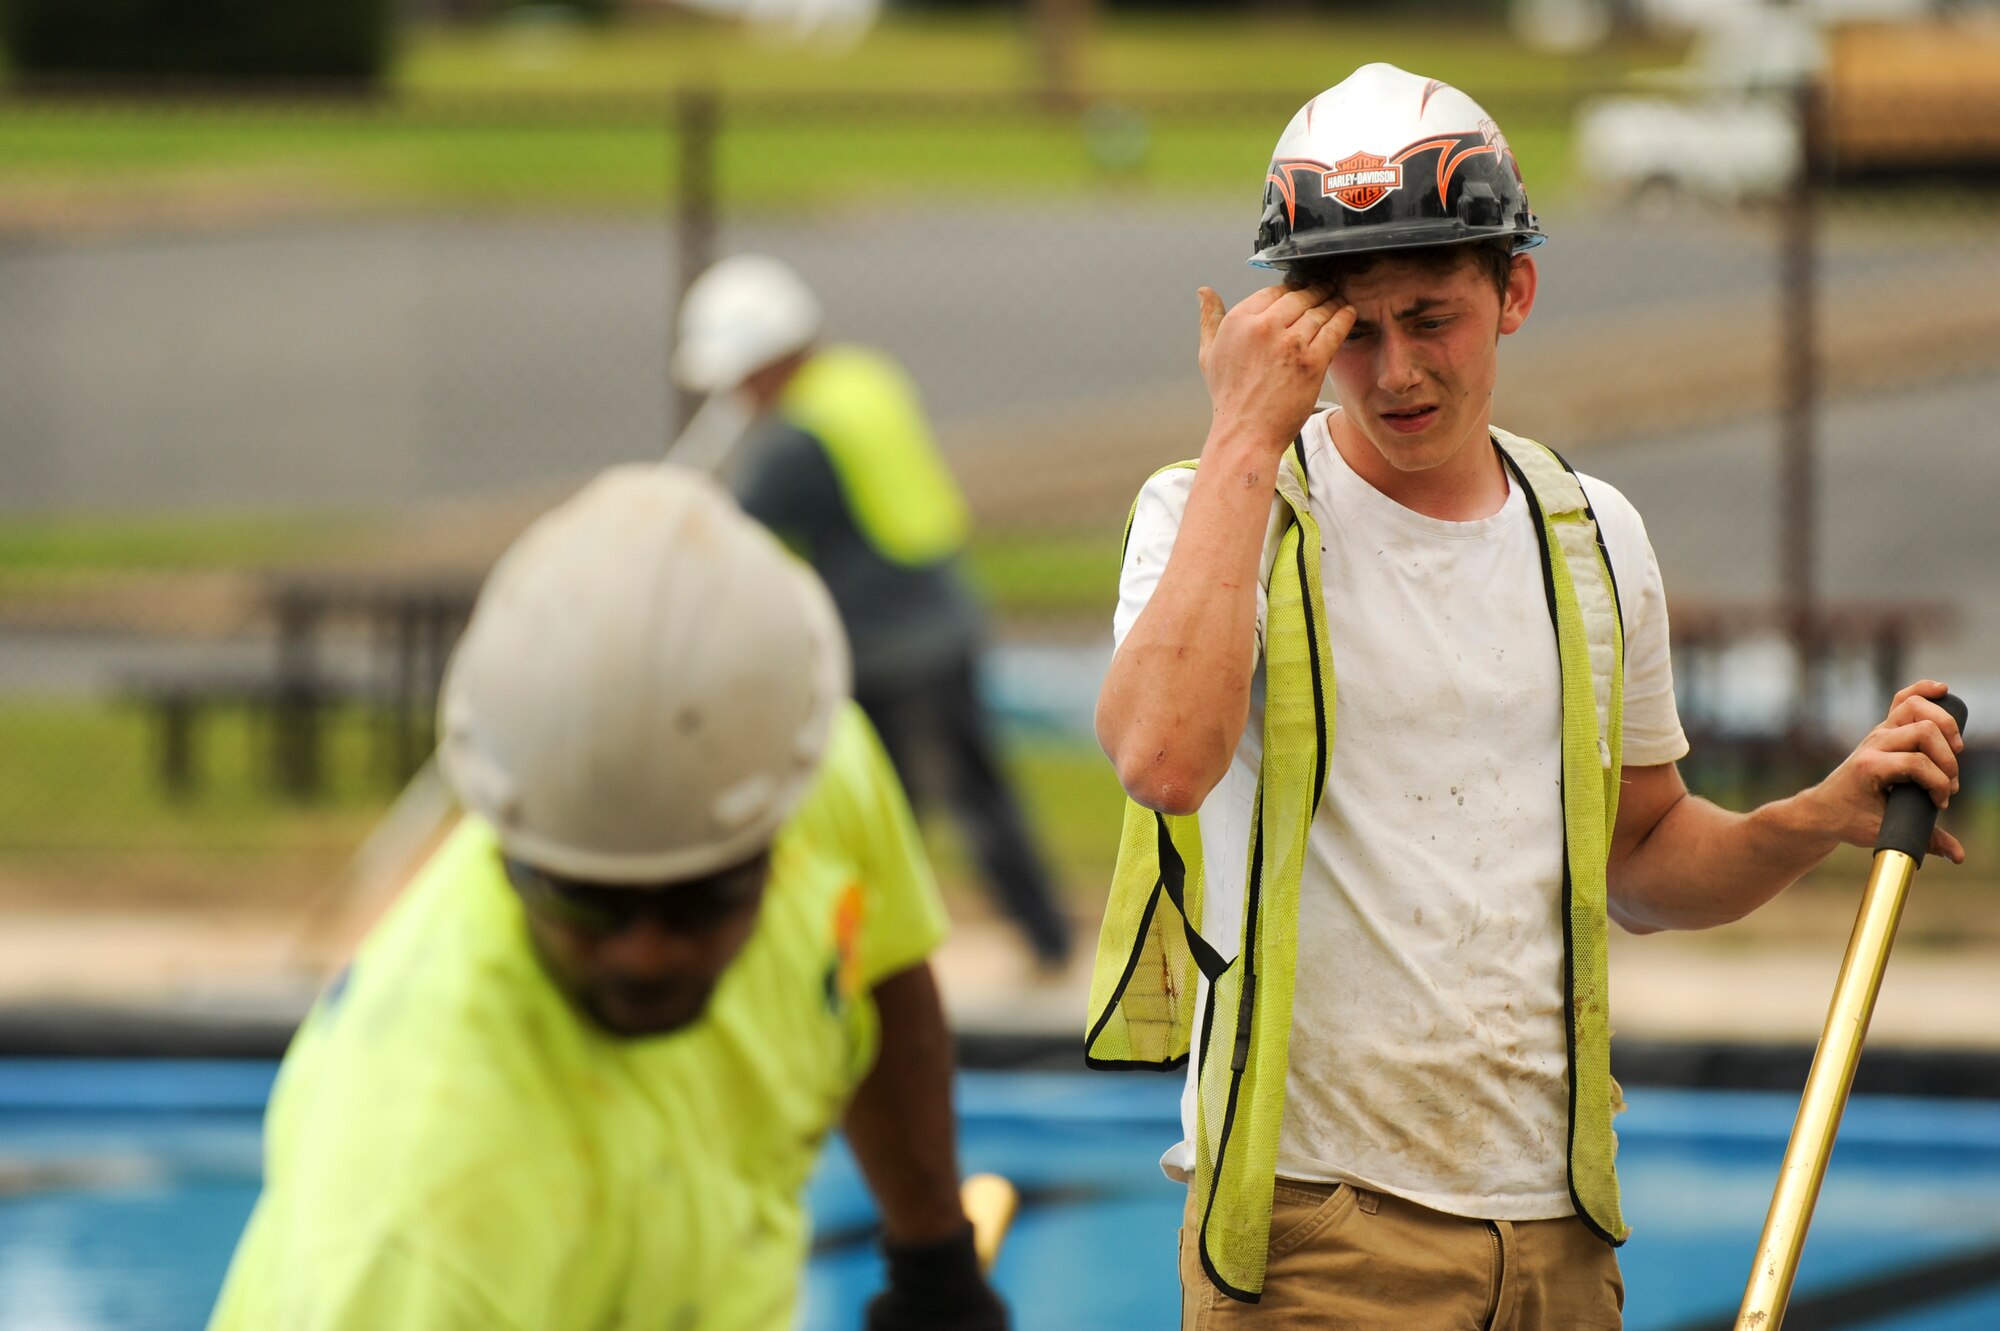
1321 245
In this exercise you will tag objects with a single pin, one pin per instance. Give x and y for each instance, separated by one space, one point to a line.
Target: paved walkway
1663 986
1765 981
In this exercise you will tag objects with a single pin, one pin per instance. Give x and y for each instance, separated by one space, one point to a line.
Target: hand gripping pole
1899 850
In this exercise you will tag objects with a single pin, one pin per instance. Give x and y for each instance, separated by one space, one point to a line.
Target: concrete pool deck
1664 987
1765 980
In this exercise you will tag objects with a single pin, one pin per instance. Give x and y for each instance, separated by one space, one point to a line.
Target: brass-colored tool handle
990 1202
1906 832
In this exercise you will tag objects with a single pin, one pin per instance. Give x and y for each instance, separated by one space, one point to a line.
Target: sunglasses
693 906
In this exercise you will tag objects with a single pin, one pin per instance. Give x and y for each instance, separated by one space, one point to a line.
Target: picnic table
406 620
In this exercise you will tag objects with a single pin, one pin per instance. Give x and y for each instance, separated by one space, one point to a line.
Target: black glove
936 1287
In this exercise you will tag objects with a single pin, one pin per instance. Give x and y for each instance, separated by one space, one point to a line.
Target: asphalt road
395 362
384 362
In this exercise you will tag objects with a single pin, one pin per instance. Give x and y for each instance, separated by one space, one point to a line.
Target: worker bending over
580 1073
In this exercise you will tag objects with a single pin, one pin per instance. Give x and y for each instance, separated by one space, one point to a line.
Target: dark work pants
937 734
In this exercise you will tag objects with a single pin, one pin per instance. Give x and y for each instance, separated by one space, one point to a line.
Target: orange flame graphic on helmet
1363 180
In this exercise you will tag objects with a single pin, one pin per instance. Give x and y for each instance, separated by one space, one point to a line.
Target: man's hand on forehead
1265 359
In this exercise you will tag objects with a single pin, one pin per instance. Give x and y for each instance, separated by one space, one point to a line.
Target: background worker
579 1075
1399 1112
840 462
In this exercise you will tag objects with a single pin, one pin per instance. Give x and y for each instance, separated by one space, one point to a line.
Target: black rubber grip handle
1910 815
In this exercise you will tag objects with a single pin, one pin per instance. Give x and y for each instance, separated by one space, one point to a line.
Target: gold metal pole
1827 1085
990 1202
1908 819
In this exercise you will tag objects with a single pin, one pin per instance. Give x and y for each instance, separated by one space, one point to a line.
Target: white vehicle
1722 127
1908 97
1652 149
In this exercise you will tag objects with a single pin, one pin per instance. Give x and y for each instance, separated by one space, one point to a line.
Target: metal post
1059 28
295 738
1798 472
697 118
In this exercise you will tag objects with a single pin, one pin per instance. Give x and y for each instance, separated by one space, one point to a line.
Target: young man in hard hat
841 463
577 1078
1397 882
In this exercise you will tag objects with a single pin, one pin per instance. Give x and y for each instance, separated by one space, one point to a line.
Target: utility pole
1799 466
696 121
1060 26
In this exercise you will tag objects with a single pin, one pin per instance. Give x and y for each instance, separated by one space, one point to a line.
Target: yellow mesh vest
1150 950
862 408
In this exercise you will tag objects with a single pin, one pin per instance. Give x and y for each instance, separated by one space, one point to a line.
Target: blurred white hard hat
740 315
646 685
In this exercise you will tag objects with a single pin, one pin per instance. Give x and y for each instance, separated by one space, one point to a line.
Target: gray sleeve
786 483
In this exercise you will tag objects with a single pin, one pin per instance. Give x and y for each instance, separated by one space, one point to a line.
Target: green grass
1075 802
979 53
1074 808
1122 54
1037 573
103 543
81 777
49 560
622 157
82 812
81 803
1047 573
539 118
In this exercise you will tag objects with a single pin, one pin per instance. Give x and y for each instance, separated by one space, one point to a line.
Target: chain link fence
279 378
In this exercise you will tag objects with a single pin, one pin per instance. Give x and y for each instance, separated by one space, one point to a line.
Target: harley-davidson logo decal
1360 181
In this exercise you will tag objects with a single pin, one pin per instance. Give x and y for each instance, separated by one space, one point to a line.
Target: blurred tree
216 41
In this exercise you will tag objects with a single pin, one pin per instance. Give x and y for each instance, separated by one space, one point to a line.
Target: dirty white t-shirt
1428 1052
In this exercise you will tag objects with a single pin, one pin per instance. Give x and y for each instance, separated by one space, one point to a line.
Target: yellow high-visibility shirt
450 1145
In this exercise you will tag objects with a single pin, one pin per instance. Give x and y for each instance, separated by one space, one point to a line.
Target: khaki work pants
1348 1258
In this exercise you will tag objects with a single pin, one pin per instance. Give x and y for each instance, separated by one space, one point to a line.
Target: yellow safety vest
1151 948
864 411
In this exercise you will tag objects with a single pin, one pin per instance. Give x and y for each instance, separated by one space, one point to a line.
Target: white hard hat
646 685
1386 159
740 315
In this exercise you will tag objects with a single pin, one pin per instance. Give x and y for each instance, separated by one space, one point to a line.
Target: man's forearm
899 1124
1678 862
1702 865
1177 695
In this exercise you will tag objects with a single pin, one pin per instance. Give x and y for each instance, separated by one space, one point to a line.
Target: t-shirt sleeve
1653 733
861 805
1156 522
785 481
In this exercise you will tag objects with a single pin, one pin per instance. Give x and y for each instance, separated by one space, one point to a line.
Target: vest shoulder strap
1583 602
1150 947
1567 519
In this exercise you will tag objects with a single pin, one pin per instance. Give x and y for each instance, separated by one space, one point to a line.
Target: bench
407 621
290 709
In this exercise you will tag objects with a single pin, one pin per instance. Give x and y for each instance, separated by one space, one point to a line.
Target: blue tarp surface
144 1172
